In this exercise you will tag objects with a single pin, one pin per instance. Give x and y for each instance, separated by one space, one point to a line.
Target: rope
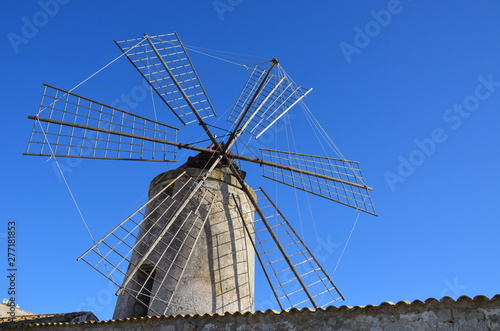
198 50
311 213
52 150
319 132
88 78
65 181
107 65
286 118
317 126
345 246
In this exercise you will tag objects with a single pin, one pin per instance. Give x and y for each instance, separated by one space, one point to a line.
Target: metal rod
309 155
307 249
150 83
269 228
184 95
81 126
190 253
201 149
256 253
281 115
338 201
167 227
250 118
137 211
300 171
196 74
98 158
102 104
237 131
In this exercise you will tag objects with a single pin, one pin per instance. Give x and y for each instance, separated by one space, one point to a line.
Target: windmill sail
69 125
277 96
165 64
295 276
334 179
133 254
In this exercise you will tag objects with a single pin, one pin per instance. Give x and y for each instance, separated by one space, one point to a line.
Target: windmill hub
204 160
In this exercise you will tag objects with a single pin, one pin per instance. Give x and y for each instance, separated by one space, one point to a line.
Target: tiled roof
430 303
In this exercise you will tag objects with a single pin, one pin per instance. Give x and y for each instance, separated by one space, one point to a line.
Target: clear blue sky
411 89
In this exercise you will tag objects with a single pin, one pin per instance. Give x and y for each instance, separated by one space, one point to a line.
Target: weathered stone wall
219 276
475 314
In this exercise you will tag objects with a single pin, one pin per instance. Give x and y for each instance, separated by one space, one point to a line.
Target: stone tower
219 276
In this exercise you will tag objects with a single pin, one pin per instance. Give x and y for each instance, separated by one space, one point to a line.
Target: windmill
197 234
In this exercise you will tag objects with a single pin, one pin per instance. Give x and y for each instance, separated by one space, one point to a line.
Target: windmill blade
334 179
163 61
277 96
153 245
69 125
295 276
